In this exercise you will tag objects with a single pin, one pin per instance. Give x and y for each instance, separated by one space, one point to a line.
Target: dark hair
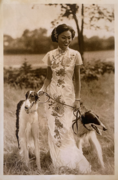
60 29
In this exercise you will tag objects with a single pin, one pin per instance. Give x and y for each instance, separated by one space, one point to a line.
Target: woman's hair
60 29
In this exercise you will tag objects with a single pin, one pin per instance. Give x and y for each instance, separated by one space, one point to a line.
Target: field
97 95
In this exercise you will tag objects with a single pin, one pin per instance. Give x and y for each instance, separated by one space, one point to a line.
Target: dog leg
24 151
98 147
23 144
35 133
28 134
79 145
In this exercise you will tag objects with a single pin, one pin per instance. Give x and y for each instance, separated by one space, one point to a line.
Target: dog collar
30 111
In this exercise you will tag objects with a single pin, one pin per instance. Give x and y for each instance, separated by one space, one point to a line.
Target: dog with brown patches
27 128
85 128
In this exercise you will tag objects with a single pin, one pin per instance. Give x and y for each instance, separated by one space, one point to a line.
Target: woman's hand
40 90
77 104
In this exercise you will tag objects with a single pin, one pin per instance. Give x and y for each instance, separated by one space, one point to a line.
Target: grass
96 95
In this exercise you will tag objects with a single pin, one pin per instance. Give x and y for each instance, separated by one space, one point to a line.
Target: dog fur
88 125
27 130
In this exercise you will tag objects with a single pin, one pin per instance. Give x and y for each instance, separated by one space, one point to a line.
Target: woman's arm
47 80
77 85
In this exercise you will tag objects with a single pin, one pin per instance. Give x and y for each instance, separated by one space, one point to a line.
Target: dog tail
17 120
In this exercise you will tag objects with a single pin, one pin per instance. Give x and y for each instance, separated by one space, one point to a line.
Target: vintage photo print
59 82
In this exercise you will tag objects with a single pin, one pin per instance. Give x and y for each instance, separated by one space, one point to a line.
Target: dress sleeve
78 59
46 59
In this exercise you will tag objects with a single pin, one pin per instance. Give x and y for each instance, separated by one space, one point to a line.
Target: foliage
26 77
94 43
96 14
92 14
31 42
26 44
92 71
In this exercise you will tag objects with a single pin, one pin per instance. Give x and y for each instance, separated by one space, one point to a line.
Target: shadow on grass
13 164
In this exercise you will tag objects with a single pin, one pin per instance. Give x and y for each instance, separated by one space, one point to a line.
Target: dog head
92 122
31 99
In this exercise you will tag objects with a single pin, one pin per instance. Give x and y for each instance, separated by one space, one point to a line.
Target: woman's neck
63 49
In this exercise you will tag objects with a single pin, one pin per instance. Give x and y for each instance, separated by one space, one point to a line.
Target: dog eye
32 95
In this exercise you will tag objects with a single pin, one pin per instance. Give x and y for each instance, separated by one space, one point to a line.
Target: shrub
26 77
92 71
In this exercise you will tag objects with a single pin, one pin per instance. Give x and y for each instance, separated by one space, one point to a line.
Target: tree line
37 42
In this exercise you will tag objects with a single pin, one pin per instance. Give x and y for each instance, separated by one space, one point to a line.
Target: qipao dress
63 149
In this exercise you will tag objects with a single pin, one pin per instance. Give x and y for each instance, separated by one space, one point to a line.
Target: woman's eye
66 38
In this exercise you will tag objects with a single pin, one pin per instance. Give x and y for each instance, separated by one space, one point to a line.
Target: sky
18 17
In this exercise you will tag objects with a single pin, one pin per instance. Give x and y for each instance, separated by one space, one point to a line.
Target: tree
90 15
36 41
25 68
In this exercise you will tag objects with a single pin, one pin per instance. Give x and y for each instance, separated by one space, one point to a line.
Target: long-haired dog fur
85 129
27 128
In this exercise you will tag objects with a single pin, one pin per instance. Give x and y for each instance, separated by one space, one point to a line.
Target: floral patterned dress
63 149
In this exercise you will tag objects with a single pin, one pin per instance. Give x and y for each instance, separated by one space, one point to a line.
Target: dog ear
36 97
104 128
27 94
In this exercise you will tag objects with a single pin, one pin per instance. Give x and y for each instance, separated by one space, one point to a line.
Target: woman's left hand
77 104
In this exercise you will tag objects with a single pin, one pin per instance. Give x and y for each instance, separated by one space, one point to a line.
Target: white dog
27 130
84 130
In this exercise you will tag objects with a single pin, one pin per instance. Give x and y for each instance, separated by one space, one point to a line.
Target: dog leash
78 117
76 112
49 97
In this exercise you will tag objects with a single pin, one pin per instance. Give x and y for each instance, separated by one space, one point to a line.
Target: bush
26 77
92 71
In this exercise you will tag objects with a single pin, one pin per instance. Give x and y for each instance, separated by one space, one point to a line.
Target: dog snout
104 128
26 107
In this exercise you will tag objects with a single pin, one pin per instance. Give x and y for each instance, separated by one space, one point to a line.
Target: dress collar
62 51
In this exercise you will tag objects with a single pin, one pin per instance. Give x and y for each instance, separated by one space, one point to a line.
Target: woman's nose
67 40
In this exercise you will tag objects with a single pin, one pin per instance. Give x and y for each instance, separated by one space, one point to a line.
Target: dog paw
39 168
102 165
85 170
84 167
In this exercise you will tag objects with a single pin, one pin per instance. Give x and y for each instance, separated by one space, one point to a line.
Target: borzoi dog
27 131
85 133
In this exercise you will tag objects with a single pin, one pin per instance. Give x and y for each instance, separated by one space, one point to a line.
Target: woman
63 63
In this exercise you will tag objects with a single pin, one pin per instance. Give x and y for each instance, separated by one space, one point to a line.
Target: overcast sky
17 18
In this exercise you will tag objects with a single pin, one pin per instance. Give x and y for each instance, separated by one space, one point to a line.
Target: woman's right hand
40 90
77 104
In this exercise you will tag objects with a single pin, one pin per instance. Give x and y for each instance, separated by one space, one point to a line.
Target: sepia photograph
58 80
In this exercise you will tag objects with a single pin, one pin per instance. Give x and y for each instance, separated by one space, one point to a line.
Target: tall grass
97 95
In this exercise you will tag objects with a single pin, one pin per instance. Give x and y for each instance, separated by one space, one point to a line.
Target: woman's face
64 39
